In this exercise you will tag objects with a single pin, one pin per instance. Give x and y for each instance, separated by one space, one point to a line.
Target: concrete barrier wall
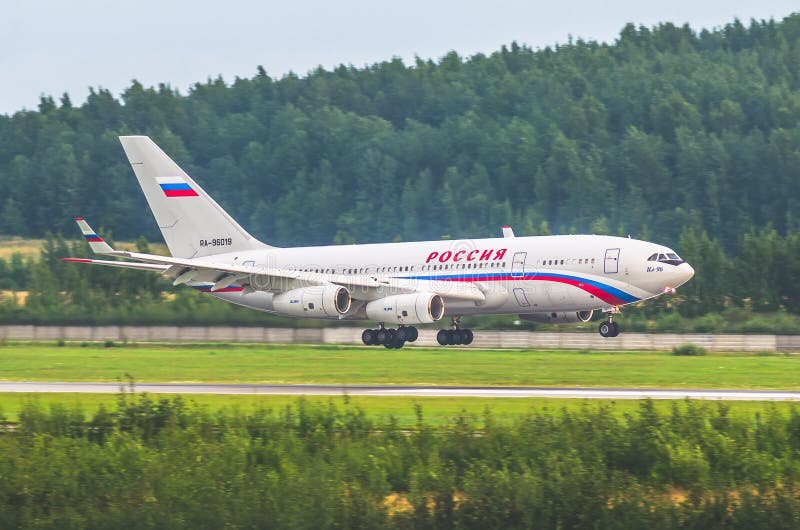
483 339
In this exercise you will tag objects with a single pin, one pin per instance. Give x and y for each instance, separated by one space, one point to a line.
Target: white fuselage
516 274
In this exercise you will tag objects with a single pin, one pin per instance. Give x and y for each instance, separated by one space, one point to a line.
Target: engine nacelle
318 301
568 317
415 308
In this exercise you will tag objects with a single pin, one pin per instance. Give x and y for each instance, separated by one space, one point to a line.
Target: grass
226 363
435 410
26 247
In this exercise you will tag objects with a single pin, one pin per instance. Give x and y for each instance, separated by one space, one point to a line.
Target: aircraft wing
259 278
184 270
119 264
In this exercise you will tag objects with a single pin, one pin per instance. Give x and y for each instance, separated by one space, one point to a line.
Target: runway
408 391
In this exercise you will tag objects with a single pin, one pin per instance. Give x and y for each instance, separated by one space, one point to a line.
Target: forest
167 463
689 138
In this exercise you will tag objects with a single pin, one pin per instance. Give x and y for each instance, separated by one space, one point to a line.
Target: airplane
560 279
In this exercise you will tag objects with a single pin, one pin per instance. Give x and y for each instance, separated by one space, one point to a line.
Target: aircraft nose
685 272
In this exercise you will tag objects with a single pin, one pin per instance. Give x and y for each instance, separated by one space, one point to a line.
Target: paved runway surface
434 391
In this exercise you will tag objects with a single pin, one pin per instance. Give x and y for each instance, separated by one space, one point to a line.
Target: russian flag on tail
175 187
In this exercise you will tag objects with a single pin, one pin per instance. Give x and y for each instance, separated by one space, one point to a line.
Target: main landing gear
390 338
609 328
452 337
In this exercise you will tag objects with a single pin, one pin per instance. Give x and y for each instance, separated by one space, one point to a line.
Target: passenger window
592 261
562 261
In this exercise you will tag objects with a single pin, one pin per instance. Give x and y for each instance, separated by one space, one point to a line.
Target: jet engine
568 317
415 308
318 301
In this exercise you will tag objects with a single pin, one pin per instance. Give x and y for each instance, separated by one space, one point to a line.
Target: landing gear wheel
452 337
614 329
412 334
607 329
382 336
402 333
369 337
395 341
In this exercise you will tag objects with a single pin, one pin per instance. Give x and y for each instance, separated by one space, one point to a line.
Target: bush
169 463
688 349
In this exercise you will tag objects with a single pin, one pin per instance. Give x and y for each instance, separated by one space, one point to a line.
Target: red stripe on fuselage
589 288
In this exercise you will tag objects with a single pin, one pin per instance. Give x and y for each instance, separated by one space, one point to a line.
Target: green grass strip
225 363
435 410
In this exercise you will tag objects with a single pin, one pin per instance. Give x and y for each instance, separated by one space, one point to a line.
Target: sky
49 47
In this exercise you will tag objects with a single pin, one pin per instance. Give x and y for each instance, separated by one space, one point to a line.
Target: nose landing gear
609 328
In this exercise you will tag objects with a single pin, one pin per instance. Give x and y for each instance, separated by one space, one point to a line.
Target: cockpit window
669 258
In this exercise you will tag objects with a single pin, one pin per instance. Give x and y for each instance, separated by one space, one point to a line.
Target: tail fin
193 225
96 242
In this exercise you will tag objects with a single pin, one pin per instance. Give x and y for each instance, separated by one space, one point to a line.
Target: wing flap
120 264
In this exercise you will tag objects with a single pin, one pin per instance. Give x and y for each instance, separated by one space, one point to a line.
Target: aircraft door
522 300
518 264
611 263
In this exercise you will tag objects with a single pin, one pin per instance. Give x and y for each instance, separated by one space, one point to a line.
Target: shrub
688 349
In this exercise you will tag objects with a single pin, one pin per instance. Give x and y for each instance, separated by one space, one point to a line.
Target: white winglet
96 242
508 231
